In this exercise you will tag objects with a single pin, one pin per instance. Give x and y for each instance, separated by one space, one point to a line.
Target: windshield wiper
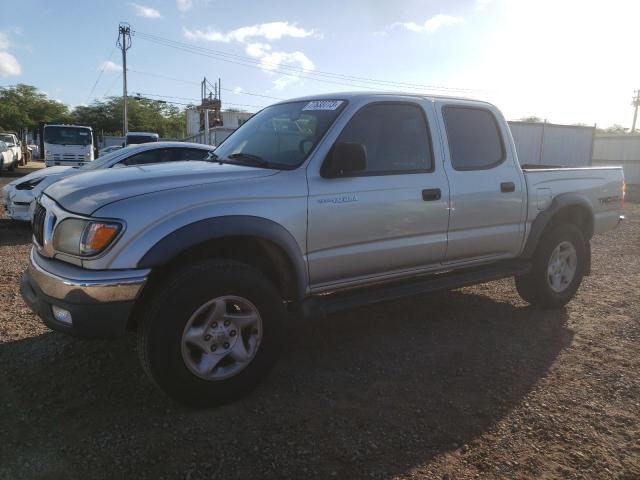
248 159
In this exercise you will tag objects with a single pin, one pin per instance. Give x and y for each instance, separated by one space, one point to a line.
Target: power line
142 94
104 66
191 82
317 75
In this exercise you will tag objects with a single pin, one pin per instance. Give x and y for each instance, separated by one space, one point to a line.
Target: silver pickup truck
314 205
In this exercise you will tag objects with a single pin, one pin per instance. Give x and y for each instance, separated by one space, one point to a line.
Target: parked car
14 145
109 149
134 138
7 159
19 195
312 206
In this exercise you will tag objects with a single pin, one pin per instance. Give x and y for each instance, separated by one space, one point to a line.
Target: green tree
24 106
144 114
531 119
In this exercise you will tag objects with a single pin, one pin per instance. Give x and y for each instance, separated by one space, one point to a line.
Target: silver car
19 195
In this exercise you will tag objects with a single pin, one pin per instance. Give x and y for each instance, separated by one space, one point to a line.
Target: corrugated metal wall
614 150
551 144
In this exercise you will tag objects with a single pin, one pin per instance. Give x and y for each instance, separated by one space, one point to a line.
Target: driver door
389 219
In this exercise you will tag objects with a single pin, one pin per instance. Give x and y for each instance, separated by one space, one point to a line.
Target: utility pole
124 42
635 102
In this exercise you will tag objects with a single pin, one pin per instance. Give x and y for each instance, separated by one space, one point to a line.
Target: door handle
431 194
507 187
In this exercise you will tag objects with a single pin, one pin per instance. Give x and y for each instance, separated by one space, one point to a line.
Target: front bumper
18 204
99 301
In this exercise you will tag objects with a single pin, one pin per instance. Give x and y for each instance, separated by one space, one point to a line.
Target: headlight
48 155
87 155
84 237
29 184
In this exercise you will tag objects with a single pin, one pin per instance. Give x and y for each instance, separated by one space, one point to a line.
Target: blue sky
565 60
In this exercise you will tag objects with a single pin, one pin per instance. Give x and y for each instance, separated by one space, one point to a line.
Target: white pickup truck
312 206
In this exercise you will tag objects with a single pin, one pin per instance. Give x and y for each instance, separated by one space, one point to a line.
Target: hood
44 172
86 192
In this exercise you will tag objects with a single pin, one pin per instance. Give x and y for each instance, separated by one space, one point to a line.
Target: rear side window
395 137
475 142
190 154
159 155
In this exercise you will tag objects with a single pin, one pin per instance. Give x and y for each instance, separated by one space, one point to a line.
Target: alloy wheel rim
561 268
221 337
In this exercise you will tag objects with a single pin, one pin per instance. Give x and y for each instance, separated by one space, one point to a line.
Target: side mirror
347 158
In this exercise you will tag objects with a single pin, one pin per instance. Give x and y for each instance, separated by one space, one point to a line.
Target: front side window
395 137
282 135
475 142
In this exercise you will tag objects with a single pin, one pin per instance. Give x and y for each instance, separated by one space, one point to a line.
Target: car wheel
212 332
558 267
13 165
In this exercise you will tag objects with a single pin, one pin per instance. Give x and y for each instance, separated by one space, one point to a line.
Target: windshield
281 136
7 138
136 139
67 136
103 160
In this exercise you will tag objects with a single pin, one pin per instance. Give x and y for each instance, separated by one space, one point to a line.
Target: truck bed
601 186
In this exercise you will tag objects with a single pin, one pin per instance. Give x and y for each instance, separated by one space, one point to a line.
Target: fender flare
544 218
196 233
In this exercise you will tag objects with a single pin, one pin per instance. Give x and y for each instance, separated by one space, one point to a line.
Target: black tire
168 311
534 287
13 165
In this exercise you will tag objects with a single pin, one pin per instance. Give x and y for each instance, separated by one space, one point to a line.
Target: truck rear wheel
212 332
558 267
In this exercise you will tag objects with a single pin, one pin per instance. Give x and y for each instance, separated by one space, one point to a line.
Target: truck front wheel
558 267
211 332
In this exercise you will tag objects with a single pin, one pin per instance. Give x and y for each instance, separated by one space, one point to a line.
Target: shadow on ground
13 232
370 393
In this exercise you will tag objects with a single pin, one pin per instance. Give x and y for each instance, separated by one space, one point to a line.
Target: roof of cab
373 95
168 144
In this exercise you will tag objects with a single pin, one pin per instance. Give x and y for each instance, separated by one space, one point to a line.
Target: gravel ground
466 384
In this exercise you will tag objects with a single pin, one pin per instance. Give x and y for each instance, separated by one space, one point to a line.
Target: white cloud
257 50
184 5
146 12
237 90
4 41
9 65
432 25
269 31
274 60
284 81
482 4
109 66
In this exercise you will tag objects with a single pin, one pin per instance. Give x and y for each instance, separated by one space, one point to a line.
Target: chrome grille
37 223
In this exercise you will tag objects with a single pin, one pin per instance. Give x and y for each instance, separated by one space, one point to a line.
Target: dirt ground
471 383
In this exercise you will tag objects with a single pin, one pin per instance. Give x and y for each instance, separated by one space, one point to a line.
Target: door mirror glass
347 158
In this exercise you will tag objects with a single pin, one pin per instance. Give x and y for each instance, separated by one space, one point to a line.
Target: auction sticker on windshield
323 105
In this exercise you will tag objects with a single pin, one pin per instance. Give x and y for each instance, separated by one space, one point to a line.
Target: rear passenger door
389 219
487 188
